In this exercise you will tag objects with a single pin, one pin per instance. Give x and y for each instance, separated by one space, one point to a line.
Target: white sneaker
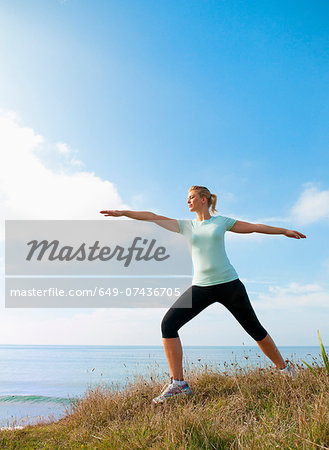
289 371
173 390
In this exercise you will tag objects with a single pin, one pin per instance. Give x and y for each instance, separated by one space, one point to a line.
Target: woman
214 279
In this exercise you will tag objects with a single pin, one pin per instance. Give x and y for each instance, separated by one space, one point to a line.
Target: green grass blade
310 367
323 352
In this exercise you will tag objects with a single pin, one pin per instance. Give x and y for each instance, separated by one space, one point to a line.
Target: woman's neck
204 215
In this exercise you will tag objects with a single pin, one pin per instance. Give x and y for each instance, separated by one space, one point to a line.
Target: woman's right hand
112 212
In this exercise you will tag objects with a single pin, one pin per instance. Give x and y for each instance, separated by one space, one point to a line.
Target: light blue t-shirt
210 262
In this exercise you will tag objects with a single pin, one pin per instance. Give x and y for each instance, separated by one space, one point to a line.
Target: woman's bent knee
260 335
168 330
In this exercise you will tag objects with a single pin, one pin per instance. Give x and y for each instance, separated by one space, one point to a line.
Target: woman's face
194 201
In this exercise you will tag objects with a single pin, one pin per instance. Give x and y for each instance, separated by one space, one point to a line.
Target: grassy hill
249 409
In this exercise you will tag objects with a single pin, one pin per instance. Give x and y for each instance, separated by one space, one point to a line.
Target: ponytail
213 201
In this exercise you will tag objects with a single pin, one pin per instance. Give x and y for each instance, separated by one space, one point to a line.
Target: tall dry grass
249 409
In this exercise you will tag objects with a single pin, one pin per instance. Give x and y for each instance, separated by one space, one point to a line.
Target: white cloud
99 327
76 162
63 148
30 190
295 288
312 206
293 296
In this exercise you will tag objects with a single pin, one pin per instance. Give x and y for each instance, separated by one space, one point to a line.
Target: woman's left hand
294 234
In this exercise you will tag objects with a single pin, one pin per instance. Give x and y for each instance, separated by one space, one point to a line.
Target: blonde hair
204 192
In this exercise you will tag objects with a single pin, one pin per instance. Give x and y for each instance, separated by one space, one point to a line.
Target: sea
39 383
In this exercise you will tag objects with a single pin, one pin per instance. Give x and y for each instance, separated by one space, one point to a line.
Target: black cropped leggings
232 295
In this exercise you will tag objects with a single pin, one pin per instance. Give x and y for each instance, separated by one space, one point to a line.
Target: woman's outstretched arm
246 227
162 221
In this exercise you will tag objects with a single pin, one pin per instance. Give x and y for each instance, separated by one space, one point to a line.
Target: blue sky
148 98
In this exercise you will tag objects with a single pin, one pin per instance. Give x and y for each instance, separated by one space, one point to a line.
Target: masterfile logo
94 264
69 253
